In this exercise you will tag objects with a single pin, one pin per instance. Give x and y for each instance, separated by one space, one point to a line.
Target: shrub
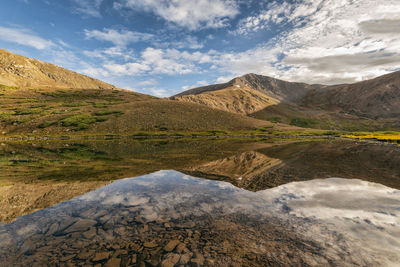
46 124
275 119
303 122
108 112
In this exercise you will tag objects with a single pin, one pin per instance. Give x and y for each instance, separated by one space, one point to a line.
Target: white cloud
159 61
327 41
160 92
89 7
148 82
190 42
118 38
198 84
24 37
192 14
95 72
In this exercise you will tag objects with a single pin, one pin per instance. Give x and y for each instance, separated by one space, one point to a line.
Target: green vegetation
5 87
383 136
46 124
304 122
274 119
108 112
81 121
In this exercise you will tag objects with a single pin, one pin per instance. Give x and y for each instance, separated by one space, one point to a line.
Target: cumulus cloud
24 37
330 41
192 14
117 37
158 61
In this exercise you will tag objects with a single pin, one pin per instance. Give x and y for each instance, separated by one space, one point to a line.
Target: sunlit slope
38 98
368 105
246 94
97 111
21 71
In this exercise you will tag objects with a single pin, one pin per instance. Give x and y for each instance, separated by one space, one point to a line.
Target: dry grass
58 112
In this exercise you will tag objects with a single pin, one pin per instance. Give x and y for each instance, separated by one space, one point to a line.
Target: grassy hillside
321 119
97 111
21 71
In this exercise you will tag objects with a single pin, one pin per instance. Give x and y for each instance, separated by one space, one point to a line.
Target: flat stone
85 255
67 258
90 233
171 245
150 244
198 260
180 248
113 262
80 226
134 259
171 260
101 256
185 258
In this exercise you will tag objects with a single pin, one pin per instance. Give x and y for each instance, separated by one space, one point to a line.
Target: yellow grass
379 136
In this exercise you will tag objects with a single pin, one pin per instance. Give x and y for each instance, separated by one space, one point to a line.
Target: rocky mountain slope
21 71
279 164
246 94
372 104
376 98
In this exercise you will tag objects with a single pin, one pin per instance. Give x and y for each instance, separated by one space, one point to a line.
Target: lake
217 202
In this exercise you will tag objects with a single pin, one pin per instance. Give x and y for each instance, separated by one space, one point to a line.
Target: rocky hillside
367 105
21 71
247 94
376 98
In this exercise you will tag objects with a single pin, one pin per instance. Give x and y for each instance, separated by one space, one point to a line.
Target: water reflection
42 174
171 218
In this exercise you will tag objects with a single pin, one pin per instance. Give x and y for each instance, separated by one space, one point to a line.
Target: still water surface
227 203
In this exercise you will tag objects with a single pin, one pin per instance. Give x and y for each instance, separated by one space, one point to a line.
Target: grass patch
46 124
81 121
217 132
28 111
2 86
304 122
386 136
100 105
274 119
108 112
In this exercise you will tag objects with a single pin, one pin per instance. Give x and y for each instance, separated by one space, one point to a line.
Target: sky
163 47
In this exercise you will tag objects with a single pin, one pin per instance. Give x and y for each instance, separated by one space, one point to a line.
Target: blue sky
162 47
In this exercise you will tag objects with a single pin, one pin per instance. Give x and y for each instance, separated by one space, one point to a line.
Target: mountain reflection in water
172 218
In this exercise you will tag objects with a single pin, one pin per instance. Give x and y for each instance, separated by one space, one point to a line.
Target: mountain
38 98
376 98
21 71
368 105
246 94
278 164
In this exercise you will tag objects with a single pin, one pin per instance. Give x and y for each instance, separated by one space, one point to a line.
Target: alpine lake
199 202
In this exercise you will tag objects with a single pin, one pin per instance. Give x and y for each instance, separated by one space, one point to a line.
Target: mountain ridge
376 102
20 71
